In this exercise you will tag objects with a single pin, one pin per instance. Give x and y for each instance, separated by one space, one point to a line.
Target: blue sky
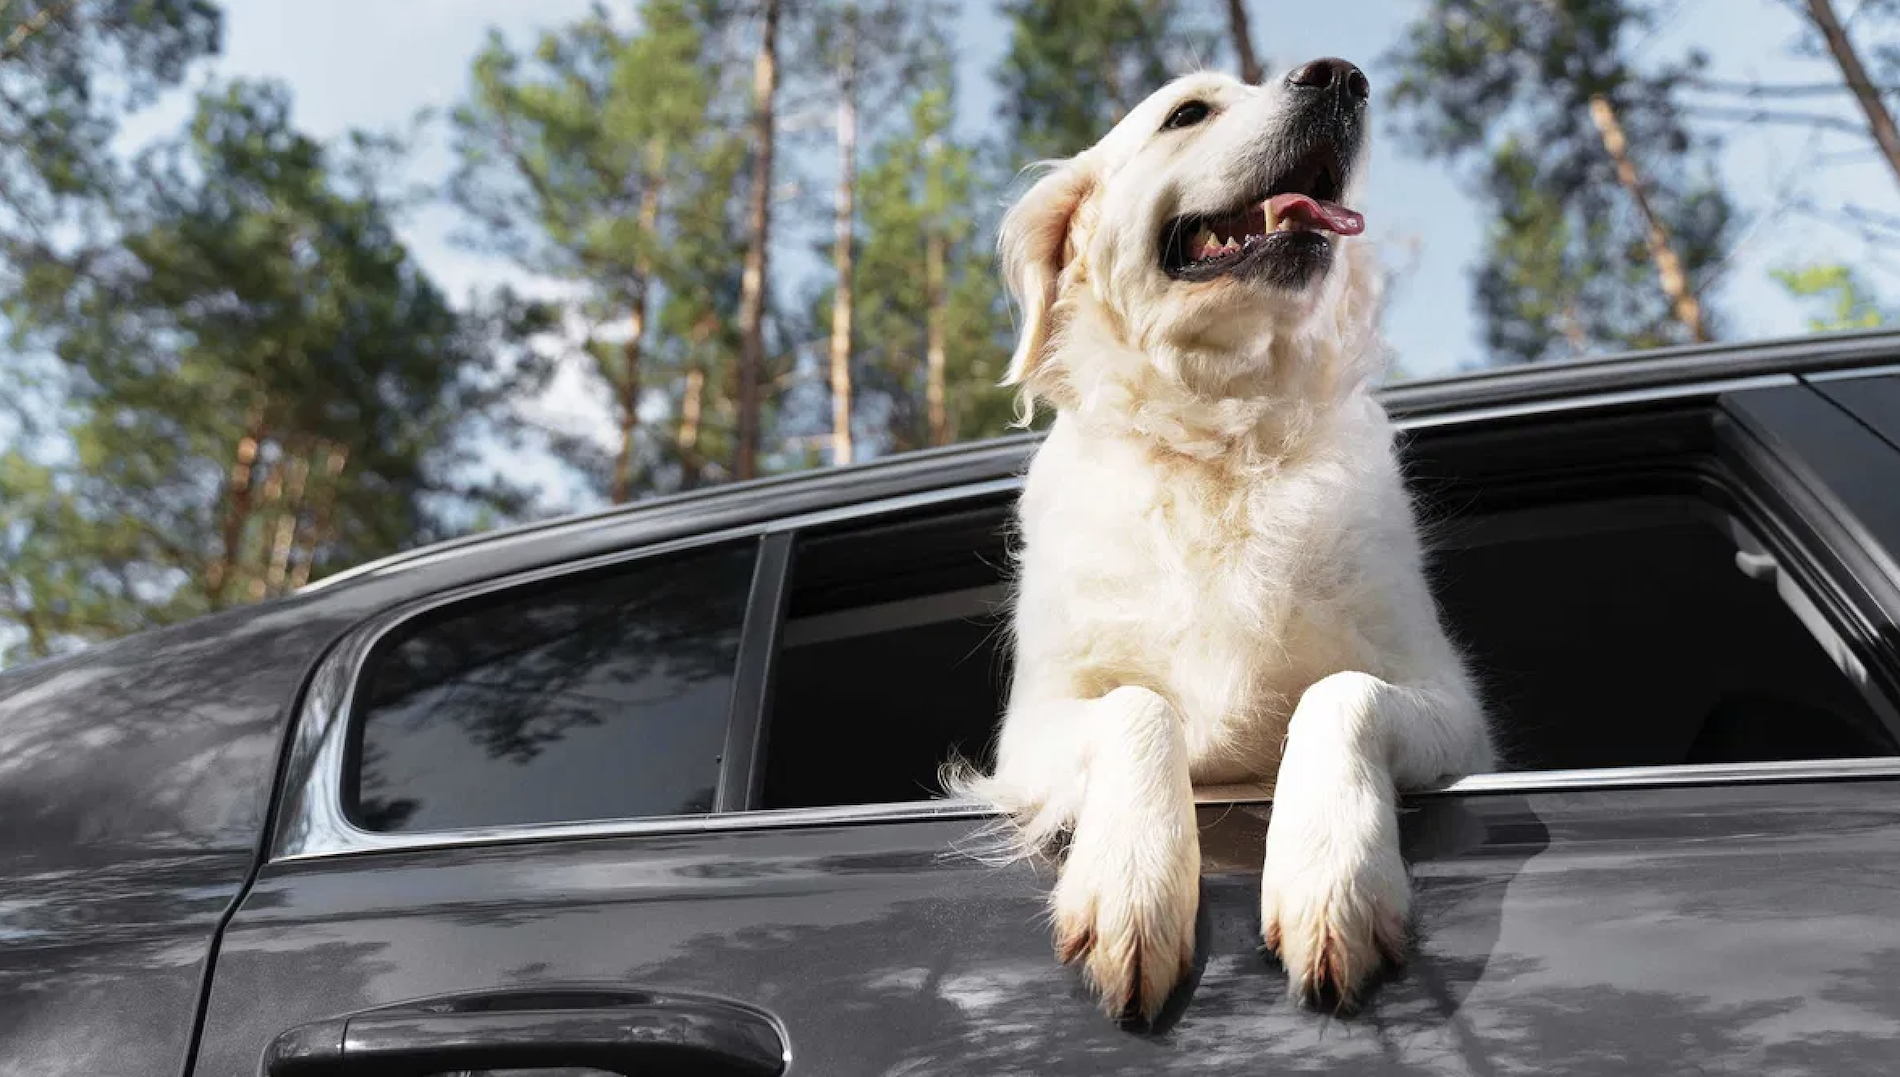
374 63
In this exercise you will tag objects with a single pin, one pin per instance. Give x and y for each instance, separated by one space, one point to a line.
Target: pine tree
1608 223
936 330
70 71
863 53
1075 67
758 237
1250 70
698 346
1854 74
260 385
566 158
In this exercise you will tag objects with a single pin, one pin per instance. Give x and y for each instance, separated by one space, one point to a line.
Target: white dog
1220 576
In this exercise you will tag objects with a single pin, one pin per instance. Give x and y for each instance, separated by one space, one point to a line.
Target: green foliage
79 66
69 571
923 181
1075 67
597 159
259 384
1842 297
1504 87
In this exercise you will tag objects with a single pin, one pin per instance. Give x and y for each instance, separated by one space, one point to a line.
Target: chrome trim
1598 400
1702 774
1551 781
1852 373
361 841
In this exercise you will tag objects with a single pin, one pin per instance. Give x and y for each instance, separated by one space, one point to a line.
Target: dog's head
1210 231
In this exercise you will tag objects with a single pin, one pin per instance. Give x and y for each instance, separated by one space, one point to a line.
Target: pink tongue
1326 216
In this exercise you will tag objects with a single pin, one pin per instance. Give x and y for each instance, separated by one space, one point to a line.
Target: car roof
1493 389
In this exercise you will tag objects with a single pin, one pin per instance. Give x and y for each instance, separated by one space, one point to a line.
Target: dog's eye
1186 115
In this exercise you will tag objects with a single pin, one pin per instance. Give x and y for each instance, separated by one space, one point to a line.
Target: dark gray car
652 791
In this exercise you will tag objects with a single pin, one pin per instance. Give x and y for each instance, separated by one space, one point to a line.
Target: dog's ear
1035 244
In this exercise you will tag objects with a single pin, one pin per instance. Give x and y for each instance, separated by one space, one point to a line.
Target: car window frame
483 603
1785 513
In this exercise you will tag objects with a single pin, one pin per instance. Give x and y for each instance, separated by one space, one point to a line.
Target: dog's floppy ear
1034 243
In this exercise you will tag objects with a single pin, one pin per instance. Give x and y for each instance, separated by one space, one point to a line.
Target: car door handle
627 1032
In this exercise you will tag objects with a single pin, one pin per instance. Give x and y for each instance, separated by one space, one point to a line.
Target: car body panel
1635 931
134 785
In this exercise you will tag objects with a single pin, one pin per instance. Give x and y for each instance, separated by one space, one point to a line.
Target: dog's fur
1220 578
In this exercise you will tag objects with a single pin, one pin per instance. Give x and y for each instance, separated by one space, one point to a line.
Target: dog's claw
1131 975
1071 945
1132 958
1128 922
1330 956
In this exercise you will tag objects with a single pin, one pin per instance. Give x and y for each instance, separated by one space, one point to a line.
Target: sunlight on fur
1219 577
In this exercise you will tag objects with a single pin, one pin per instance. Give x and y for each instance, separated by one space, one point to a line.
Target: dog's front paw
1125 907
1334 896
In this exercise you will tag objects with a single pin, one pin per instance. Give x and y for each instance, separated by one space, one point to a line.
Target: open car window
1623 621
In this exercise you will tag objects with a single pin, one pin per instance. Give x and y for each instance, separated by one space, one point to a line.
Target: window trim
749 717
314 826
1702 775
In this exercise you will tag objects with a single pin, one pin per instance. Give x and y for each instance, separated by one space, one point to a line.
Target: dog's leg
1115 771
1334 895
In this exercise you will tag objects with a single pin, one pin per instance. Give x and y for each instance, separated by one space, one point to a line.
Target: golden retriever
1219 574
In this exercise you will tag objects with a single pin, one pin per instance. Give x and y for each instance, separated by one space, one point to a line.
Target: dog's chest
1229 592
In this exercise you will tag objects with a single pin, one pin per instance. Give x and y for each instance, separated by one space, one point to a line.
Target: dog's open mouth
1296 211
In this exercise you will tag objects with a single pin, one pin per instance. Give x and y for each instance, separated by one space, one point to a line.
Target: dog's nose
1334 74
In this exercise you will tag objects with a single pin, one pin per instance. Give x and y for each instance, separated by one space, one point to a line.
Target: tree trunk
935 303
1879 120
222 568
1243 43
844 219
297 472
627 404
745 462
692 401
322 516
1573 329
35 23
1675 280
632 353
37 643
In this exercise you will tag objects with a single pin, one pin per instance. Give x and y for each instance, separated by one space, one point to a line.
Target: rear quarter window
600 696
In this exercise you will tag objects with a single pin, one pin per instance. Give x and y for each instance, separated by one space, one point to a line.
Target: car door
439 897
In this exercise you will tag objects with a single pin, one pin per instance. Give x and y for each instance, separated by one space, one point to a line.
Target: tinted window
601 696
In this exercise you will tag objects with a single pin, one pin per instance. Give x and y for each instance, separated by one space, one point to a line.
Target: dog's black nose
1334 74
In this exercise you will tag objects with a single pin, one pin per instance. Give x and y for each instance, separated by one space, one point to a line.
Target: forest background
286 287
